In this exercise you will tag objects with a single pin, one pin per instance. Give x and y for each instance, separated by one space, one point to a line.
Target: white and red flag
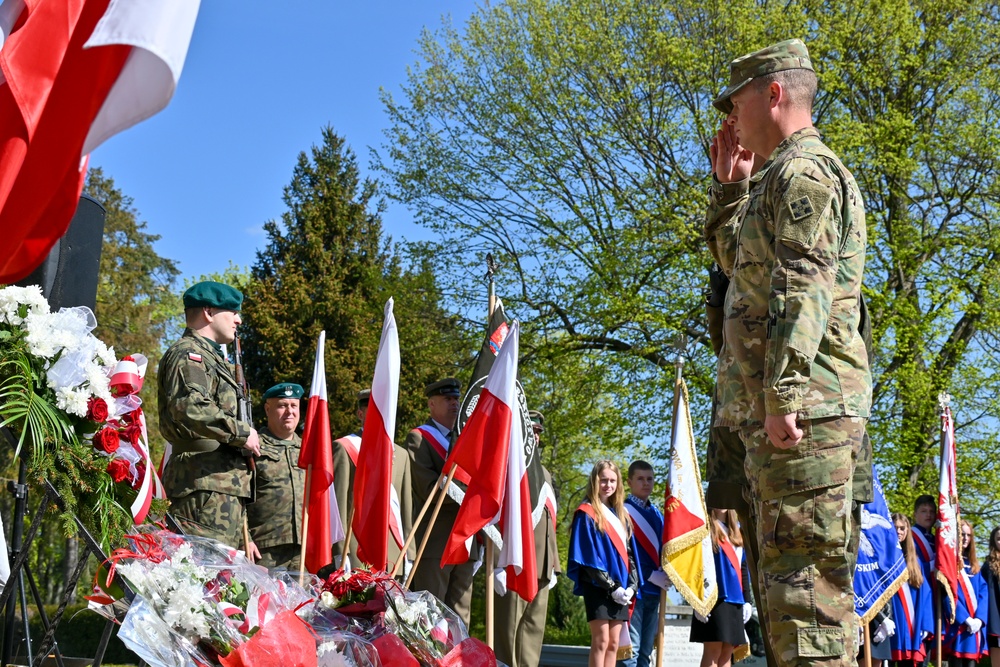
72 74
687 546
947 560
489 449
373 477
323 529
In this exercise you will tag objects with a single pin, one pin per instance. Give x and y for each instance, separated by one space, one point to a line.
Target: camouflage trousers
210 514
282 555
801 502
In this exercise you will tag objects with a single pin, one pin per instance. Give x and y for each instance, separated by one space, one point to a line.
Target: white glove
659 578
701 619
553 580
500 582
925 636
974 625
629 595
747 612
885 630
621 596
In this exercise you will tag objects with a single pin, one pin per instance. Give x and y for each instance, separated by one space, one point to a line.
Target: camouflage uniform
275 517
792 241
207 478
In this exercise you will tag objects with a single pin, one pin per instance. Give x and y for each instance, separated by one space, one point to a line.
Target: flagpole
491 267
430 526
416 524
347 538
868 646
944 399
305 525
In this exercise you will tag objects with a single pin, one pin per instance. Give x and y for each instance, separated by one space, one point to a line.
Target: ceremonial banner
324 528
687 546
881 567
489 449
373 477
947 561
74 73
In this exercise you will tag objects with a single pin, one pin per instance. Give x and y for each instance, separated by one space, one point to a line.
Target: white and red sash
965 584
905 594
734 558
616 531
440 444
645 536
924 546
352 445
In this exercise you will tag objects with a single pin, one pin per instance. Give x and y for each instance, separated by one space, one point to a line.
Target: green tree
570 138
326 266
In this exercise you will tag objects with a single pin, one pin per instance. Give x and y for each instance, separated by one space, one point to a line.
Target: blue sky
260 81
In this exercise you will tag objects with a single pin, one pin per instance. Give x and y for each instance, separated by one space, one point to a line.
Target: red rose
97 410
118 469
132 433
106 440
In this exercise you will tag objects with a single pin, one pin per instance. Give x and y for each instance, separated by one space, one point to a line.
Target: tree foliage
570 138
327 266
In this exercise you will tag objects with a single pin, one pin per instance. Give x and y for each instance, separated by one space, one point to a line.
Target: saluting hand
253 442
730 161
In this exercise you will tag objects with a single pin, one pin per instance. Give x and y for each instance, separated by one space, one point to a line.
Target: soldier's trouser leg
531 629
508 610
452 584
803 501
283 555
210 514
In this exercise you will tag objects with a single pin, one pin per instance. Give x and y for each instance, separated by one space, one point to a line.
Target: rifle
244 412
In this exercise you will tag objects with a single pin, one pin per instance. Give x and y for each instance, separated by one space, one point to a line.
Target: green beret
445 387
208 294
790 54
363 397
537 419
285 390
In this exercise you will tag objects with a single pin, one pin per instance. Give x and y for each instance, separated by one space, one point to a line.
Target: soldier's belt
196 446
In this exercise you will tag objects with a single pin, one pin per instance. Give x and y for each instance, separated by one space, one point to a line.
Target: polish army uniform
791 238
345 461
520 625
207 478
275 517
428 447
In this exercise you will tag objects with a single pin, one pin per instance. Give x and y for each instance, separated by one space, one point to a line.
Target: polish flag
490 450
947 561
321 527
373 477
73 73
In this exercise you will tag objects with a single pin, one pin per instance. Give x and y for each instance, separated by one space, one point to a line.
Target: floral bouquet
200 602
58 394
428 628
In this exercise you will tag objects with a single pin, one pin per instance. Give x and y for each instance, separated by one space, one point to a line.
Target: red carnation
97 409
106 440
118 469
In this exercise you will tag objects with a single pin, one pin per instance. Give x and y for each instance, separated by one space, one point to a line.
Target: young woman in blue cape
991 575
965 640
602 563
912 605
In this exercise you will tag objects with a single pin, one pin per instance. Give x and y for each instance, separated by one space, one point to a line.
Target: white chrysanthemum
106 355
72 401
328 600
11 299
329 655
98 382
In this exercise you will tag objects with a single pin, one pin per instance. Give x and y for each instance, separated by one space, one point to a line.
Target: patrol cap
537 420
209 294
445 387
363 397
285 390
789 54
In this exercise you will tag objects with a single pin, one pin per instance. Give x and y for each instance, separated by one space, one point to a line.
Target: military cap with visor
786 55
445 387
285 390
537 420
364 396
209 294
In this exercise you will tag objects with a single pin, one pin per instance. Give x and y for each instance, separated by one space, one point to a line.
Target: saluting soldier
207 478
345 461
428 447
520 625
793 375
275 517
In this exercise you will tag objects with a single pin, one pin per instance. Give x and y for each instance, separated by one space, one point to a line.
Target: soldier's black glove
718 283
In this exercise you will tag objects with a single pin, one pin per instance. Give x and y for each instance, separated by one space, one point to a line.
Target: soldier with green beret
793 373
345 461
275 517
207 478
428 446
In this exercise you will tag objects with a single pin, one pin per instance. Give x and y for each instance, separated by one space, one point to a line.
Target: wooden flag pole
416 523
868 647
305 525
659 628
488 559
347 538
427 533
246 537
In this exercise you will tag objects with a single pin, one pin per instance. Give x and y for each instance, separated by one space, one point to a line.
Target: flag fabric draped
316 457
490 450
881 566
947 562
687 546
373 476
74 73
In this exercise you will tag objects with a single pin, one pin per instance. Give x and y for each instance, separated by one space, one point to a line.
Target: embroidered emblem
801 208
194 357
